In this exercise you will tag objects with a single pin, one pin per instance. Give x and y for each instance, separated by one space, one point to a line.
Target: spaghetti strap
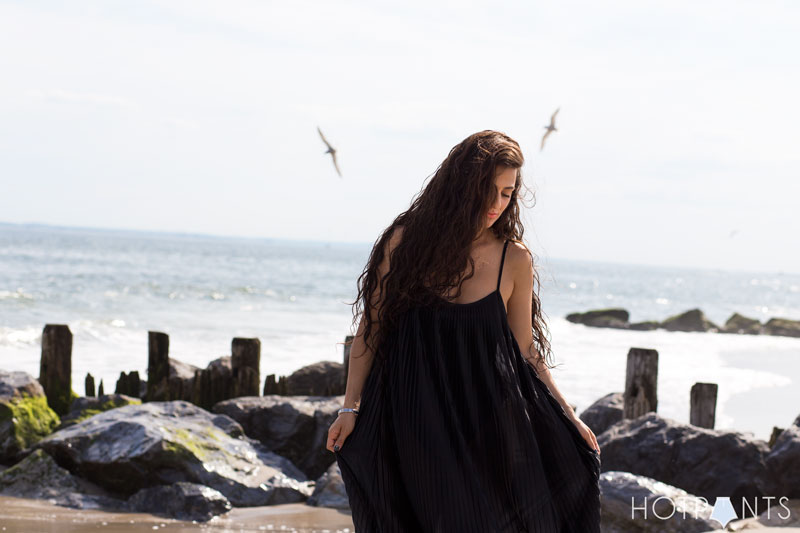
502 260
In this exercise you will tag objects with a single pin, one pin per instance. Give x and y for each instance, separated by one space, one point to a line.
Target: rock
295 427
602 318
182 501
783 327
647 325
83 408
214 383
25 416
179 382
632 503
39 477
159 443
330 490
741 325
604 412
325 378
704 462
692 320
780 513
783 464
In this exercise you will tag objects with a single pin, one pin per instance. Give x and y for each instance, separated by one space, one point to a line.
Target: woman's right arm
358 365
361 357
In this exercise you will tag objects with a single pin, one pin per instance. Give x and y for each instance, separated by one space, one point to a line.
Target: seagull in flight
331 150
550 128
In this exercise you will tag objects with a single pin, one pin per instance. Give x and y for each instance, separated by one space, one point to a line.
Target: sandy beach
26 516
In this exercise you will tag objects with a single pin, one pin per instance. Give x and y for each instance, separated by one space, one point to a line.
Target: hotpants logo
723 510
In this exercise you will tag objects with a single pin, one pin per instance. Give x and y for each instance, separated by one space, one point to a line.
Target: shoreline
22 515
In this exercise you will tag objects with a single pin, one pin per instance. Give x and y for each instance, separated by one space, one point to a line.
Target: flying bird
331 150
550 128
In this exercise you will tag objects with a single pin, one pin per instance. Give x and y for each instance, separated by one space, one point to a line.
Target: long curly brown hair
438 229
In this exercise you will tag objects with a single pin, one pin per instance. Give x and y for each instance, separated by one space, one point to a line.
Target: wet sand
26 516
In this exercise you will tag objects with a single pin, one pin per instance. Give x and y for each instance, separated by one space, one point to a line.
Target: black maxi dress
457 433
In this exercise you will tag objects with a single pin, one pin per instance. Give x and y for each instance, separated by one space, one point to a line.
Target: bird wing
553 118
543 138
324 139
335 164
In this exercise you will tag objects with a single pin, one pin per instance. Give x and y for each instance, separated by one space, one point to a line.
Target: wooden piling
157 366
128 384
270 385
703 405
213 384
245 363
641 381
89 384
55 367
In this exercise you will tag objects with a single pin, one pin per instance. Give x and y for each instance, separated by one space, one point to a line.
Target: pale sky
678 122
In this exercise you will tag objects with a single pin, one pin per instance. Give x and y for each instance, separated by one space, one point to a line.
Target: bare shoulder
394 239
518 256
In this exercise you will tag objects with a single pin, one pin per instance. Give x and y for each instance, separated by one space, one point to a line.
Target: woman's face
504 181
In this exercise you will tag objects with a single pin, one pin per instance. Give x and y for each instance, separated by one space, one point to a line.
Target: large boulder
783 464
329 490
782 326
742 325
183 501
602 318
160 443
692 320
325 378
634 504
39 477
25 416
604 412
84 407
295 427
704 462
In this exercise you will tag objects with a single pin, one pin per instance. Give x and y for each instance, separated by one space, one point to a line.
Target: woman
459 425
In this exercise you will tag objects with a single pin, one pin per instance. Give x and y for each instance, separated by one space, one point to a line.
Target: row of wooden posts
641 385
640 395
210 386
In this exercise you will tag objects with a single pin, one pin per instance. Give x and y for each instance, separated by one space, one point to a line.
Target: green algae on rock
25 417
138 446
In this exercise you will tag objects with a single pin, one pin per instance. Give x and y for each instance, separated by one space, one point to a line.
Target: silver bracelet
348 410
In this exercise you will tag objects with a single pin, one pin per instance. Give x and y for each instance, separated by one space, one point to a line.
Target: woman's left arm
519 308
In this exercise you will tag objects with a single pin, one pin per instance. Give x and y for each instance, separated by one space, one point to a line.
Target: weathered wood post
128 384
348 344
89 383
641 382
245 362
703 405
213 384
157 366
55 367
270 385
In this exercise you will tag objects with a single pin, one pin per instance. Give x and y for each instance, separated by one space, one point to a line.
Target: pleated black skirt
457 433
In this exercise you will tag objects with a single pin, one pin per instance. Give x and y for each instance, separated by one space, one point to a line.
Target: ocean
112 286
